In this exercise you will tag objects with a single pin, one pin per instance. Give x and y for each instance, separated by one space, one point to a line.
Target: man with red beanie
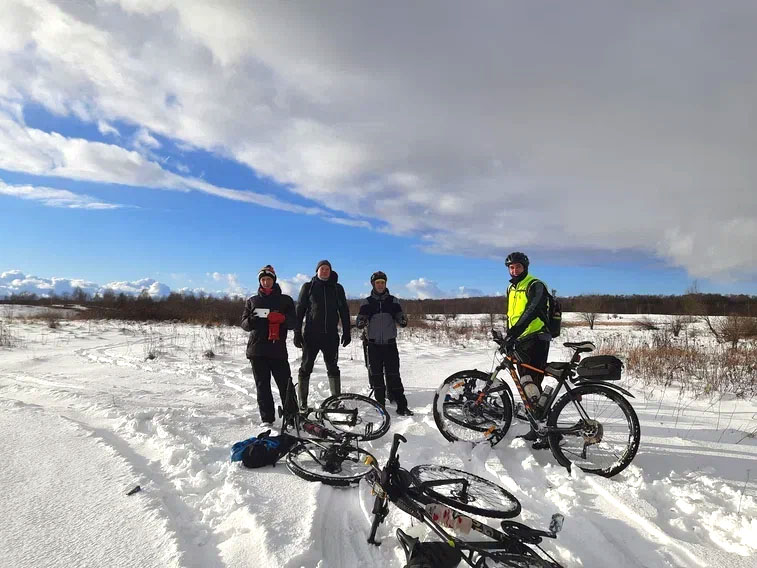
267 316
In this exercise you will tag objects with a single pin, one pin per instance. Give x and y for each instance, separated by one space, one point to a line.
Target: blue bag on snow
262 450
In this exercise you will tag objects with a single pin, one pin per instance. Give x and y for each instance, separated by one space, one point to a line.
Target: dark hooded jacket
381 313
258 344
322 304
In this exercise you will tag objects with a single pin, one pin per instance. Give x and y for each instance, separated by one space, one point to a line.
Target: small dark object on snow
135 489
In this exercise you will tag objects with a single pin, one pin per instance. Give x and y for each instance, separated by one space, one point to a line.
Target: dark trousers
384 360
329 346
262 369
534 351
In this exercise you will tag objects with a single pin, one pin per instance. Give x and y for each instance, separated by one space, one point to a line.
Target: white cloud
424 289
107 129
17 282
571 128
233 287
55 197
466 292
291 286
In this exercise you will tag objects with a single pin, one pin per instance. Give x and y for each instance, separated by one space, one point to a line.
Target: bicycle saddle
428 554
580 346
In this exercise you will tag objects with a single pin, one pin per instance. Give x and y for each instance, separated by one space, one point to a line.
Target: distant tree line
202 308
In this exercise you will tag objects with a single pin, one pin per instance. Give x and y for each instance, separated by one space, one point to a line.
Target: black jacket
322 305
258 344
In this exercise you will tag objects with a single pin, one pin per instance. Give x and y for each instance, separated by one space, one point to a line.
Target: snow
86 417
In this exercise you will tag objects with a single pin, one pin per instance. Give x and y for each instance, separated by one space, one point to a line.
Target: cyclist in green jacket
527 331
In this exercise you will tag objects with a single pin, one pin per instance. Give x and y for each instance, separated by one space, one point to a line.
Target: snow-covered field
86 416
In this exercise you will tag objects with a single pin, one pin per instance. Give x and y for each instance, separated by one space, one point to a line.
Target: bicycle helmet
378 275
519 257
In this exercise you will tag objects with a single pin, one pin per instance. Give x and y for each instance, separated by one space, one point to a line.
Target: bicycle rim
482 497
372 418
309 460
607 443
458 413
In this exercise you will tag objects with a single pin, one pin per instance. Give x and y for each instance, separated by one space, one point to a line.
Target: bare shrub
590 318
645 324
52 322
701 371
208 354
7 338
732 329
676 325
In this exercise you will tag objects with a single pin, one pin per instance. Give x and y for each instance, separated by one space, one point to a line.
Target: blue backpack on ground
262 450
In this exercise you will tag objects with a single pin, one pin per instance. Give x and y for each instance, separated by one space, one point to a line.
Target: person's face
266 282
516 269
324 272
379 286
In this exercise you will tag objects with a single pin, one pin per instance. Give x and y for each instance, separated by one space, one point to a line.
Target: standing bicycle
592 425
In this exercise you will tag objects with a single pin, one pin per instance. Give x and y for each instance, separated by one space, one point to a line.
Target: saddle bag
599 368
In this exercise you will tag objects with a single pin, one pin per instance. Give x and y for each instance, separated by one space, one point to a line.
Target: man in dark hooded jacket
380 314
267 316
322 304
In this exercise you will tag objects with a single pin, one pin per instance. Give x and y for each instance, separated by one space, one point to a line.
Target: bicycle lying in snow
331 455
591 426
437 496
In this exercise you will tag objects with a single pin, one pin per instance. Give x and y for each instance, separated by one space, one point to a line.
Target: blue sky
427 158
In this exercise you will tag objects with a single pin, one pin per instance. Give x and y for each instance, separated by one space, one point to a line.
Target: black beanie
321 263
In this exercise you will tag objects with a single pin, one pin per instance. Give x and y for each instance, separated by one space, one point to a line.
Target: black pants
329 345
262 369
384 359
534 351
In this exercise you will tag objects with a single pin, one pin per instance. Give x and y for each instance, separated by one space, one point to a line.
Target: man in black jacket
267 316
322 304
380 314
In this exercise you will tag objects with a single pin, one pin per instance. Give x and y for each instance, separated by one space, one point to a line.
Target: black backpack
554 315
262 450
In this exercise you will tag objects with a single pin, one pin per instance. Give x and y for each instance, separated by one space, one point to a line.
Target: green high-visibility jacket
517 302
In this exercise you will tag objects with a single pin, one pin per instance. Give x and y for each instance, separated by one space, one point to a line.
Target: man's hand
361 321
509 342
403 320
297 339
346 338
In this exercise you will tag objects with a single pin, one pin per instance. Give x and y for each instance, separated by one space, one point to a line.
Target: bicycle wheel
460 415
480 497
329 463
372 418
606 443
513 561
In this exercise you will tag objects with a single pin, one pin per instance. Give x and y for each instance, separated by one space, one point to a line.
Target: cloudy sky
189 143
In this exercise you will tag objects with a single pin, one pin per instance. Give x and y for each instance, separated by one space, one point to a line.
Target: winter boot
335 384
303 386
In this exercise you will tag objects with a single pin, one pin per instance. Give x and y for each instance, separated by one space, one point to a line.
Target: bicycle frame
409 499
534 414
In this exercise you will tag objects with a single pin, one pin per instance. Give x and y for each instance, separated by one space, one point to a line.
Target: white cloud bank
571 129
17 282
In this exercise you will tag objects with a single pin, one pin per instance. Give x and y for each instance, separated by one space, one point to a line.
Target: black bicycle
327 450
439 496
592 426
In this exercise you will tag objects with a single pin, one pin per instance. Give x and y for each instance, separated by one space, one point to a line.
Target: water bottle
544 398
530 388
449 518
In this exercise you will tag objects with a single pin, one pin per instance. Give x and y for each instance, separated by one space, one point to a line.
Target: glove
509 342
297 339
276 317
346 338
361 321
403 320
